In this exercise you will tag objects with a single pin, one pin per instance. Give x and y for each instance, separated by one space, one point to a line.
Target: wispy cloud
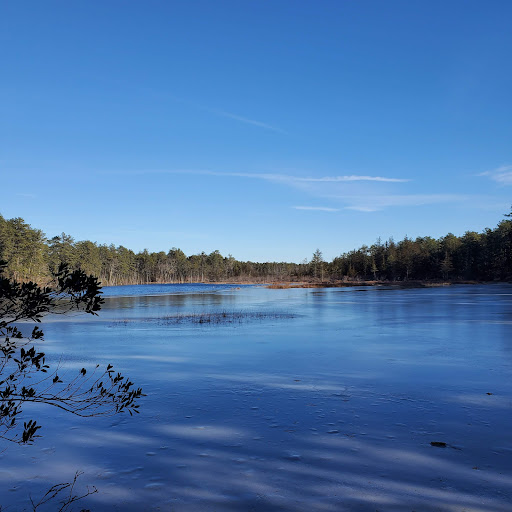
353 178
242 119
363 208
317 208
361 193
229 115
373 203
276 177
323 179
502 175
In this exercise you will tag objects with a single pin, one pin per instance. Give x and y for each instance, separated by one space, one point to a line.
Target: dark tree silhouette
24 375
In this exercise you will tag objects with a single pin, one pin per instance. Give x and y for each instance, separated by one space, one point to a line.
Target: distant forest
485 256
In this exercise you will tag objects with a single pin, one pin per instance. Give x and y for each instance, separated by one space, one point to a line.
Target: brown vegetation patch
352 284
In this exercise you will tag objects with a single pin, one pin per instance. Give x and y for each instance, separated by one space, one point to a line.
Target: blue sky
262 129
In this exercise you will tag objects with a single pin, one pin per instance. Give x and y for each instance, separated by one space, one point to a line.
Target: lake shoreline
280 285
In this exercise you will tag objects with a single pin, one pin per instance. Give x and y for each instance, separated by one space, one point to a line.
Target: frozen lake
311 399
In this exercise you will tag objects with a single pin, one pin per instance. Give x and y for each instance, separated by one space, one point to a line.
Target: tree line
485 256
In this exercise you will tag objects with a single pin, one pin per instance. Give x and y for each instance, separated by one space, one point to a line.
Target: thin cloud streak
360 201
502 175
362 208
354 178
283 178
317 208
229 115
376 203
245 120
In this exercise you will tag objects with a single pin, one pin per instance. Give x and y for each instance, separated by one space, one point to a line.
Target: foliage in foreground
24 375
63 496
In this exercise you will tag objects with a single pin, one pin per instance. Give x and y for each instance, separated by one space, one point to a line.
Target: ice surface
330 402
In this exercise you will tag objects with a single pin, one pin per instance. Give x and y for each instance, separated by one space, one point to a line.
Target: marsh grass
210 318
222 317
